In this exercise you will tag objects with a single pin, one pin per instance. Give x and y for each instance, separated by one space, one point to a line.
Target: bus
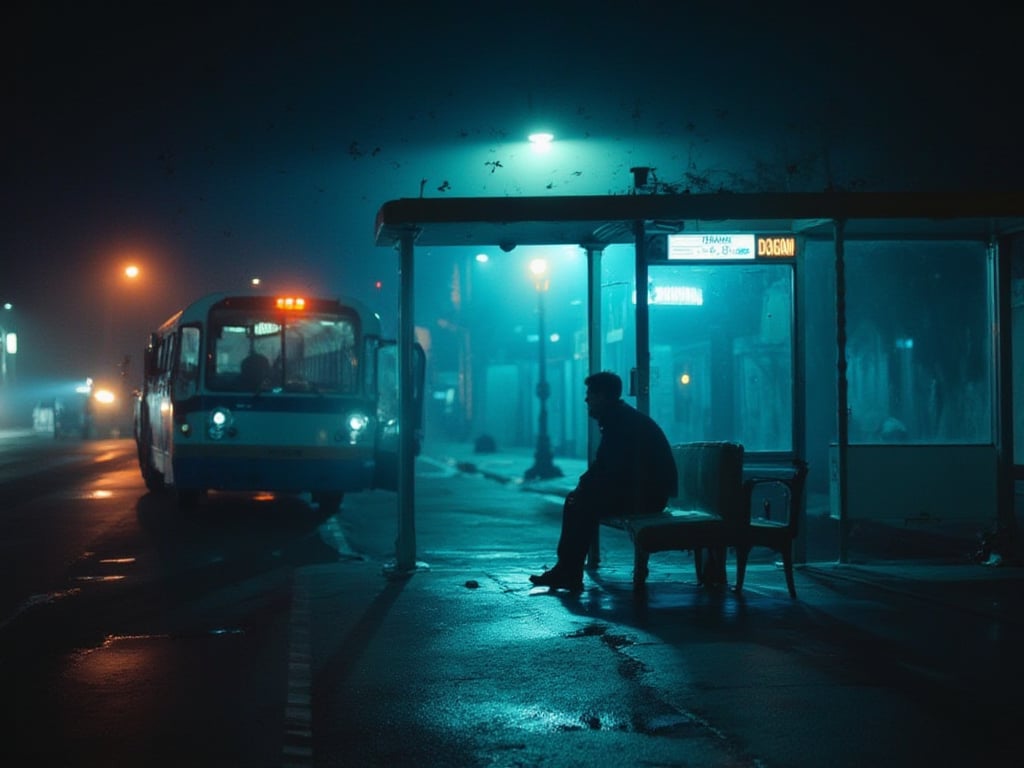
281 394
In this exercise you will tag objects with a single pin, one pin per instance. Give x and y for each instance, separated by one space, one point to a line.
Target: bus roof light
291 303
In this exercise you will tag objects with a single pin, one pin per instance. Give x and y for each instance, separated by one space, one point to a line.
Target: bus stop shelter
780 227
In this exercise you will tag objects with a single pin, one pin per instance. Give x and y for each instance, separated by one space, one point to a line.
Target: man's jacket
634 471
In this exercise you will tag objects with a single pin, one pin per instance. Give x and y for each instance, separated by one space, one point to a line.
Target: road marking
333 536
297 750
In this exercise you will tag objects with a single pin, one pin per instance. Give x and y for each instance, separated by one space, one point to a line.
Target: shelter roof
603 220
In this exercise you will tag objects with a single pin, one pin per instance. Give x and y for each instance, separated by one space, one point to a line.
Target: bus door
153 431
384 383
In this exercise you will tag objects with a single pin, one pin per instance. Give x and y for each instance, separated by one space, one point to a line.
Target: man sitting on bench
633 473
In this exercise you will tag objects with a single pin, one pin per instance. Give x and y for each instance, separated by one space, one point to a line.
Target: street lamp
130 273
542 468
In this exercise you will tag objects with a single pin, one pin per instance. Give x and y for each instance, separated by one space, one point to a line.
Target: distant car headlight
219 423
104 396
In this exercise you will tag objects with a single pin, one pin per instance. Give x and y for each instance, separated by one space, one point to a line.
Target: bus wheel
153 478
328 503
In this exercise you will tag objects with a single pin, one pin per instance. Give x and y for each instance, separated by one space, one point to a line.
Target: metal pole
799 433
842 402
643 341
543 468
1008 544
405 544
594 337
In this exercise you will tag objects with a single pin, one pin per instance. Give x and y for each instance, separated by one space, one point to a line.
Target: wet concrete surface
461 662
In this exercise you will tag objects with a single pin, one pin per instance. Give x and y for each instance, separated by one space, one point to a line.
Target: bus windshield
270 350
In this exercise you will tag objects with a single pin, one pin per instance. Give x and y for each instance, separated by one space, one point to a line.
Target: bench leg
742 554
787 566
640 559
713 572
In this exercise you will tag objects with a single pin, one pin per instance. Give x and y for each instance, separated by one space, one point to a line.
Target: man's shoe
553 579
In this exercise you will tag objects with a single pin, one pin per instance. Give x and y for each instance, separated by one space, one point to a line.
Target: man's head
604 389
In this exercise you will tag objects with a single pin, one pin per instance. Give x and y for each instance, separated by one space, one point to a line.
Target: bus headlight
357 424
220 423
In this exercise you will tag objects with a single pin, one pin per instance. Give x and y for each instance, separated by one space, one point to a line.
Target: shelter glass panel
722 353
919 350
618 313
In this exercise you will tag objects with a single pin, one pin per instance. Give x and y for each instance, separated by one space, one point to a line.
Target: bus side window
150 358
188 362
165 356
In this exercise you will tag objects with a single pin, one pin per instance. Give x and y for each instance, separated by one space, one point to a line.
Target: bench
708 513
711 513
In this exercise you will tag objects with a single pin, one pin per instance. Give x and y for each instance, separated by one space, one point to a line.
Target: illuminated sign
725 246
776 246
675 295
711 246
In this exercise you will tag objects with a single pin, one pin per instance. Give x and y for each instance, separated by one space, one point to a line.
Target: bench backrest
711 480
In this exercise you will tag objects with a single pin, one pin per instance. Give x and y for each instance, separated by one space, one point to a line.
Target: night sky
213 144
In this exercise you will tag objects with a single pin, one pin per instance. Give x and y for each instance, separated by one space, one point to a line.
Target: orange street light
129 273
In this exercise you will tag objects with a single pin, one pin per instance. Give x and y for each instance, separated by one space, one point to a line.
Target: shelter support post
842 402
1007 545
405 543
594 335
799 426
643 341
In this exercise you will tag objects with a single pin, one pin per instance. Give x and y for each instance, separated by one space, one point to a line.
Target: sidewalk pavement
463 663
938 572
509 466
